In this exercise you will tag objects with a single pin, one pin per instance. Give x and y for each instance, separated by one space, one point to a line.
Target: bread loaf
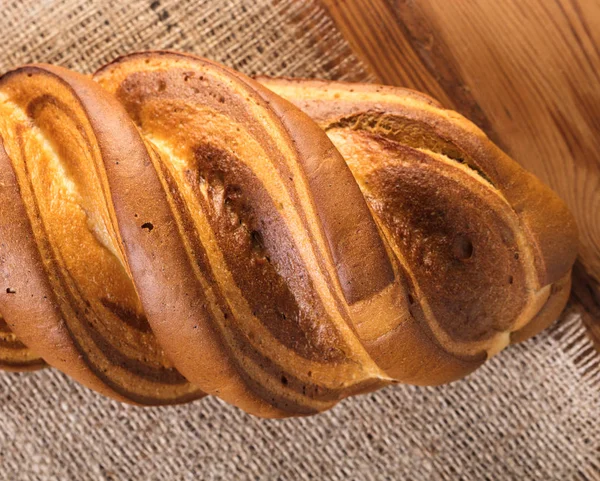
176 228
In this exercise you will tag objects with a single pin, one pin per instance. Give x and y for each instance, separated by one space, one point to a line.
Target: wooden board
526 71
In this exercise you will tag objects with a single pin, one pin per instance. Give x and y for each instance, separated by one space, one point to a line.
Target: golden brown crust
274 272
388 135
88 323
362 263
243 181
551 226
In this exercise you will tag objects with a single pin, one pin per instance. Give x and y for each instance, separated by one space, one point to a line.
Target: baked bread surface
179 228
69 295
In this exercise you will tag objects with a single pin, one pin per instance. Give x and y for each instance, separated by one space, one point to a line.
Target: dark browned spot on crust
173 84
460 252
241 345
133 319
418 314
261 255
4 326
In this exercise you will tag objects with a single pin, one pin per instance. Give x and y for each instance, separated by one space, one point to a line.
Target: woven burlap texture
530 413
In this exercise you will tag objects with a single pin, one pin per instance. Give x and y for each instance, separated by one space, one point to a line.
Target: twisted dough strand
176 228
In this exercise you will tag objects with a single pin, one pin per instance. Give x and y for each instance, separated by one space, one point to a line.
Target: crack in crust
408 132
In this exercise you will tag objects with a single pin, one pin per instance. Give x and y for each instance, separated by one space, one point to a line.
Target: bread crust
43 309
375 111
283 263
332 204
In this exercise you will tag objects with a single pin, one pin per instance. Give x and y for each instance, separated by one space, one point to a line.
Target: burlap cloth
530 413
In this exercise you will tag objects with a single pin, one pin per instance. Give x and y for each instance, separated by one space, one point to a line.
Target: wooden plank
526 71
585 300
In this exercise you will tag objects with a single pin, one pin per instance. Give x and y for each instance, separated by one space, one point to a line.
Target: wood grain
526 71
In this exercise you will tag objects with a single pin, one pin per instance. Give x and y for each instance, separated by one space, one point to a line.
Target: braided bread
176 228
